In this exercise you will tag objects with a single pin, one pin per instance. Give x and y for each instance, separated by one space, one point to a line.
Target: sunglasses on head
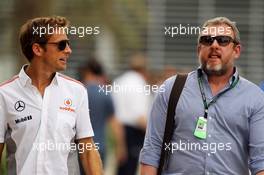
61 44
222 40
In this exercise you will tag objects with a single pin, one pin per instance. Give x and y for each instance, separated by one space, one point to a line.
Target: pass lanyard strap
206 105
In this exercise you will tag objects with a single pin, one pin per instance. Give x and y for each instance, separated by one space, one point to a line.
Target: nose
68 49
215 44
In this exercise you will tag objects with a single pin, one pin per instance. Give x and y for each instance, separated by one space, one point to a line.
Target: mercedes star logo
20 106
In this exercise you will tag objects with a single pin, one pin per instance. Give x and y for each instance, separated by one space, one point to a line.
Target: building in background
128 26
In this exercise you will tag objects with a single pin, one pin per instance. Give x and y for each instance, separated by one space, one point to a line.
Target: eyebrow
60 40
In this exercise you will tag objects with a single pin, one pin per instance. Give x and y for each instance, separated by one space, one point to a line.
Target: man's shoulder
251 88
170 81
70 81
71 85
7 83
248 84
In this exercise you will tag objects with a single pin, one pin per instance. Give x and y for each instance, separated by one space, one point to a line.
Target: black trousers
134 143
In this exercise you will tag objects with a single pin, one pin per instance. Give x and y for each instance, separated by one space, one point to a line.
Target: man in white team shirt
44 113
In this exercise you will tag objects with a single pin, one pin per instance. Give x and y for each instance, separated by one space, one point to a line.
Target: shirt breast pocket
65 125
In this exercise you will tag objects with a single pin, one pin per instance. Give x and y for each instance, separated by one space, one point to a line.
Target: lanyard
206 105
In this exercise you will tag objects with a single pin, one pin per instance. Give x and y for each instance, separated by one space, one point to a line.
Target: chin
61 68
216 68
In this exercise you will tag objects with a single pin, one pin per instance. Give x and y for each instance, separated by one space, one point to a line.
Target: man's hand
147 169
90 157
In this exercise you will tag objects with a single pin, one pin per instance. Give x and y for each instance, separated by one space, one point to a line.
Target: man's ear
237 51
198 49
37 49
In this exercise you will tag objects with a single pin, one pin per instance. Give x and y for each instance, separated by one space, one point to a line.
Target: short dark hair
28 37
94 66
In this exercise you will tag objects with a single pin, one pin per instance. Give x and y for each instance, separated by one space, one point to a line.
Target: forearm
1 150
142 122
90 158
119 136
147 170
118 132
260 173
91 162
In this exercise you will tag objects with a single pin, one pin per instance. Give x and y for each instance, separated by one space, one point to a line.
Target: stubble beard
215 70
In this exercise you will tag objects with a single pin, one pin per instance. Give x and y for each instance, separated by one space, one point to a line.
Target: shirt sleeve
2 123
256 136
83 124
150 153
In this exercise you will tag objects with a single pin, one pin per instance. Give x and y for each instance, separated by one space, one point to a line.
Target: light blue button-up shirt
235 130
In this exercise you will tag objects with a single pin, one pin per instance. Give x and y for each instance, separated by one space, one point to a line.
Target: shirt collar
23 77
55 80
26 80
231 80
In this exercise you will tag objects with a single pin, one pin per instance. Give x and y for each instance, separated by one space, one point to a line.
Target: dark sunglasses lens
223 40
206 40
62 45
